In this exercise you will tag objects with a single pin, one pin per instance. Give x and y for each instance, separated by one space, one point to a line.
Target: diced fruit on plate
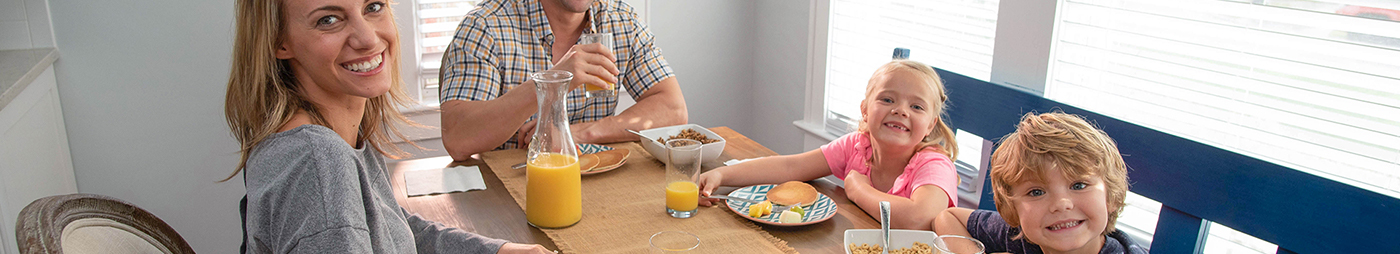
790 217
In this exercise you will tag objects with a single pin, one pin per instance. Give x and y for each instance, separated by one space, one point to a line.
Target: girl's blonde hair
263 94
1061 141
941 136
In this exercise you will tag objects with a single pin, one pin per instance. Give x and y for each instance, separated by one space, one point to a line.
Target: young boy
1059 185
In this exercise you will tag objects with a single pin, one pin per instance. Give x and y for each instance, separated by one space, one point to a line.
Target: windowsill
420 108
814 129
21 67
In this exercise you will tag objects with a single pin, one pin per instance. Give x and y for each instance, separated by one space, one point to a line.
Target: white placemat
443 180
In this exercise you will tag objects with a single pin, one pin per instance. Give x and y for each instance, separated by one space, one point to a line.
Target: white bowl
899 238
708 151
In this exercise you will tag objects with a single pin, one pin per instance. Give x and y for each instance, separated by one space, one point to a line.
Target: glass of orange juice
605 89
682 167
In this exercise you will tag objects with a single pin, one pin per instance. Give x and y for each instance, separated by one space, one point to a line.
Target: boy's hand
708 182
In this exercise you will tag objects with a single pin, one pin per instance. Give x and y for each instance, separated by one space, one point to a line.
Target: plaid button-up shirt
501 42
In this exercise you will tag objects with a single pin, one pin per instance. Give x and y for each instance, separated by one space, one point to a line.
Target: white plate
899 238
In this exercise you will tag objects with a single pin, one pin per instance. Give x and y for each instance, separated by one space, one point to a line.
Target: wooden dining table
494 213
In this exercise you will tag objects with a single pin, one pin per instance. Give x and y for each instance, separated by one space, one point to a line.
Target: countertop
20 67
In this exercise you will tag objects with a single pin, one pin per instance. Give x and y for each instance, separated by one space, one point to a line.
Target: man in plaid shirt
487 95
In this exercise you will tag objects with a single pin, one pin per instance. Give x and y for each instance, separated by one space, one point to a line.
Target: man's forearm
666 107
471 127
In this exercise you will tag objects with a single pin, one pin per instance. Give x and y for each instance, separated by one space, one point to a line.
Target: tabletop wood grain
493 213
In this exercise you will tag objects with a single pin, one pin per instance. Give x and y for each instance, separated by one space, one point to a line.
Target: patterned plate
822 210
592 148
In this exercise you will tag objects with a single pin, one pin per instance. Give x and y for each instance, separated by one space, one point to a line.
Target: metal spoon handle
639 134
885 226
644 138
735 198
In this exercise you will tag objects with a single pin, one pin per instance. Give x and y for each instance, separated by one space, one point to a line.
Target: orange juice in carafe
553 194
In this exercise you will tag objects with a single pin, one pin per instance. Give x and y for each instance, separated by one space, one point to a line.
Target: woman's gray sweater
310 192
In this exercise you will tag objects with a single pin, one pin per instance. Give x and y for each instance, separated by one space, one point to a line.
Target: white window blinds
437 23
1312 85
956 35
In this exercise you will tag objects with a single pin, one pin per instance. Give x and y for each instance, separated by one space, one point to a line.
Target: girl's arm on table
916 212
774 169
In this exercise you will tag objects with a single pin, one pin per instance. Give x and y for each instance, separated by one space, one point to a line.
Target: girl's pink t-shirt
850 152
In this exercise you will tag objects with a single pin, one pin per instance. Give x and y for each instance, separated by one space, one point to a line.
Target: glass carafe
553 194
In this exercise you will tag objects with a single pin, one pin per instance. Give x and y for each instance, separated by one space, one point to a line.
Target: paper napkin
444 180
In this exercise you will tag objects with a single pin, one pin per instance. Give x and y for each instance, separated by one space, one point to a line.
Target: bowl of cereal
711 144
866 241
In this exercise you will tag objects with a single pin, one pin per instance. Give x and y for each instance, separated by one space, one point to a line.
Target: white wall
25 24
709 44
143 85
740 63
780 74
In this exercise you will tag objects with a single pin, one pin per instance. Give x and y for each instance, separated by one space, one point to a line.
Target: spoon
885 226
644 137
745 200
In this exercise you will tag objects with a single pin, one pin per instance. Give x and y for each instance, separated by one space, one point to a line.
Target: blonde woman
311 98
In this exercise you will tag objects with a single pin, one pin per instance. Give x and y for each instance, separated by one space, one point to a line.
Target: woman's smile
365 66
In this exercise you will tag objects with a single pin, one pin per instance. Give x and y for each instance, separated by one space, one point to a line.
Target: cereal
918 248
690 134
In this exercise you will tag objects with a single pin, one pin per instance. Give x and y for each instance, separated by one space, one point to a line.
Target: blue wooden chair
1198 183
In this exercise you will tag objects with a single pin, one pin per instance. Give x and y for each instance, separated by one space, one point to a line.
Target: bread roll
793 192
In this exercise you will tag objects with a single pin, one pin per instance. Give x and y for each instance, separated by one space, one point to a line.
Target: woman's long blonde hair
263 94
941 136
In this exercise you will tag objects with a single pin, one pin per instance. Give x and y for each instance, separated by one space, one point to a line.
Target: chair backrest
88 223
1198 183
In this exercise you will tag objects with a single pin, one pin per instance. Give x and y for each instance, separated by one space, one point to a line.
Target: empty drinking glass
673 242
956 244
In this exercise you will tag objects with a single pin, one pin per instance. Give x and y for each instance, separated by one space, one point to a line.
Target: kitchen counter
20 67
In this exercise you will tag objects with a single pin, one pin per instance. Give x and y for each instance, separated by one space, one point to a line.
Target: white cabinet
34 158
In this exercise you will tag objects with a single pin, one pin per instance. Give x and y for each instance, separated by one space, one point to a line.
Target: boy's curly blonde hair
1066 141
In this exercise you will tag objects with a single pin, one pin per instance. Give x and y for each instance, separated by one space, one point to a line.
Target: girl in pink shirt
902 153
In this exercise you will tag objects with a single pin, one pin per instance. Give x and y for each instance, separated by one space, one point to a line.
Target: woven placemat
622 208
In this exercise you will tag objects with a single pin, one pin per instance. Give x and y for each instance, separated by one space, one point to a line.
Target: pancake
587 162
792 192
612 158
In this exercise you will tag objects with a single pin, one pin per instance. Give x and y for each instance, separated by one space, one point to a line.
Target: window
956 35
1311 85
436 24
